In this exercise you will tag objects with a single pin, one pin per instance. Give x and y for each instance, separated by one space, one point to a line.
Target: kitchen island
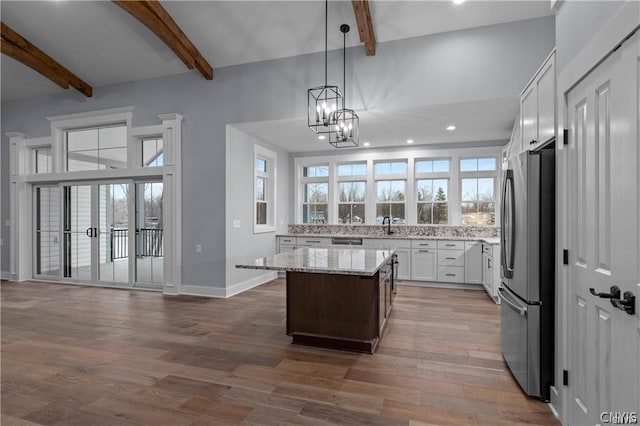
337 297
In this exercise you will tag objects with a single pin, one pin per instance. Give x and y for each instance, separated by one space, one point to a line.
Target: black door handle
615 293
89 232
95 232
627 303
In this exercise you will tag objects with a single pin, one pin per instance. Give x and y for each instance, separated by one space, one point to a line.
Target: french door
95 243
107 233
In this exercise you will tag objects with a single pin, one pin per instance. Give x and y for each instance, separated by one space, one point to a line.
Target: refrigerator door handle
508 195
521 310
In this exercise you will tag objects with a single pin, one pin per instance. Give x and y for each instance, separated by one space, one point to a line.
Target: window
391 186
432 199
152 152
315 197
477 195
264 190
432 191
352 185
97 148
42 160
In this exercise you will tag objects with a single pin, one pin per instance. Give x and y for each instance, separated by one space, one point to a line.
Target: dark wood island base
346 312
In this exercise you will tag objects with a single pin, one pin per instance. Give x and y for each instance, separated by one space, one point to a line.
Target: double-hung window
315 194
352 183
432 186
477 190
391 188
264 190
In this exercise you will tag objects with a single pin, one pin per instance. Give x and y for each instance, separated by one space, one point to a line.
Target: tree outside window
433 207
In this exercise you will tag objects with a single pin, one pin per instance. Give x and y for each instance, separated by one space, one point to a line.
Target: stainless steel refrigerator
528 265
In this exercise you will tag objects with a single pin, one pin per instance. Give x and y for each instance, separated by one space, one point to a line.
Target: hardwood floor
75 355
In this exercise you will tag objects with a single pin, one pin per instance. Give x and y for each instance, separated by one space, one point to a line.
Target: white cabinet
424 264
312 241
403 251
451 261
491 270
473 262
537 107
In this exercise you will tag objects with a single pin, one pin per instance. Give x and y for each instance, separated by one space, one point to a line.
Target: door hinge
565 136
565 256
565 377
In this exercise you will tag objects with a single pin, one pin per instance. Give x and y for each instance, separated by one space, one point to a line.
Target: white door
604 158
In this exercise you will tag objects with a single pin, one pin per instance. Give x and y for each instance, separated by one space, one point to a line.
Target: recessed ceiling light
366 144
451 127
458 1
322 137
409 141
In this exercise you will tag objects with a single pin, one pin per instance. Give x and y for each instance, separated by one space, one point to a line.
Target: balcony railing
148 241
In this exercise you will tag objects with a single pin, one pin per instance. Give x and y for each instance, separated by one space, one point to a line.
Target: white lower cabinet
473 262
403 251
451 274
423 264
491 270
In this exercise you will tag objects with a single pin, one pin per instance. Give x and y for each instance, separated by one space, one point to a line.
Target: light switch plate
236 223
198 248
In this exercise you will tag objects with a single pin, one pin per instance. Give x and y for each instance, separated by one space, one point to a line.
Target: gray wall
481 63
242 243
577 22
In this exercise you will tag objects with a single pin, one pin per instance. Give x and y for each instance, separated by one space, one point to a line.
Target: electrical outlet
236 223
198 248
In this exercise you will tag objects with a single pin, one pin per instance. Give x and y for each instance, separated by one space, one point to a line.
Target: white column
20 216
172 201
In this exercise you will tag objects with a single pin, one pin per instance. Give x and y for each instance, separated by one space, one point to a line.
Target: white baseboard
253 282
219 292
462 286
5 275
198 290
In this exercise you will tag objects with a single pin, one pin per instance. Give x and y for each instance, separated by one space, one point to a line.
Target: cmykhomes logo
619 418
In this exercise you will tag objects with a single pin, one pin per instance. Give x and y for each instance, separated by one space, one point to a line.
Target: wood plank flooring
74 355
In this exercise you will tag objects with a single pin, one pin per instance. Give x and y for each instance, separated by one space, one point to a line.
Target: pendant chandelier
323 101
345 132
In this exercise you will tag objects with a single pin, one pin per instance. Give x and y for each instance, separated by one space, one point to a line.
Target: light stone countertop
344 260
488 240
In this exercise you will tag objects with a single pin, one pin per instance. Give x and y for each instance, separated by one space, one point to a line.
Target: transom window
42 158
152 152
97 148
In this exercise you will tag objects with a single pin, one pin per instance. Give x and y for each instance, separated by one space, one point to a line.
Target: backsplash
398 230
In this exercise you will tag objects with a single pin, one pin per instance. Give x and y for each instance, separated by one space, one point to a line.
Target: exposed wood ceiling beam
157 19
20 49
365 25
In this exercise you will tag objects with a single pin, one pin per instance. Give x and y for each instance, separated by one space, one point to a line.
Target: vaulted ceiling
103 44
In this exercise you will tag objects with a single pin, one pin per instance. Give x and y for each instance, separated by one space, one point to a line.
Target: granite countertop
345 260
488 240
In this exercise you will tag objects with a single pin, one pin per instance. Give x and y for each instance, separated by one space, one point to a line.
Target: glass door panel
78 232
113 232
149 234
47 228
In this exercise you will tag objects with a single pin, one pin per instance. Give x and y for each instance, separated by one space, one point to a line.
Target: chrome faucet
387 221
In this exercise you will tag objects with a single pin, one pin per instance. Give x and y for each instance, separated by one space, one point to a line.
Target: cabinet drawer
487 248
287 240
286 247
451 257
454 245
313 241
451 274
393 243
423 244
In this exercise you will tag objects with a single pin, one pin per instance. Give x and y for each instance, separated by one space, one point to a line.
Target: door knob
615 293
627 303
